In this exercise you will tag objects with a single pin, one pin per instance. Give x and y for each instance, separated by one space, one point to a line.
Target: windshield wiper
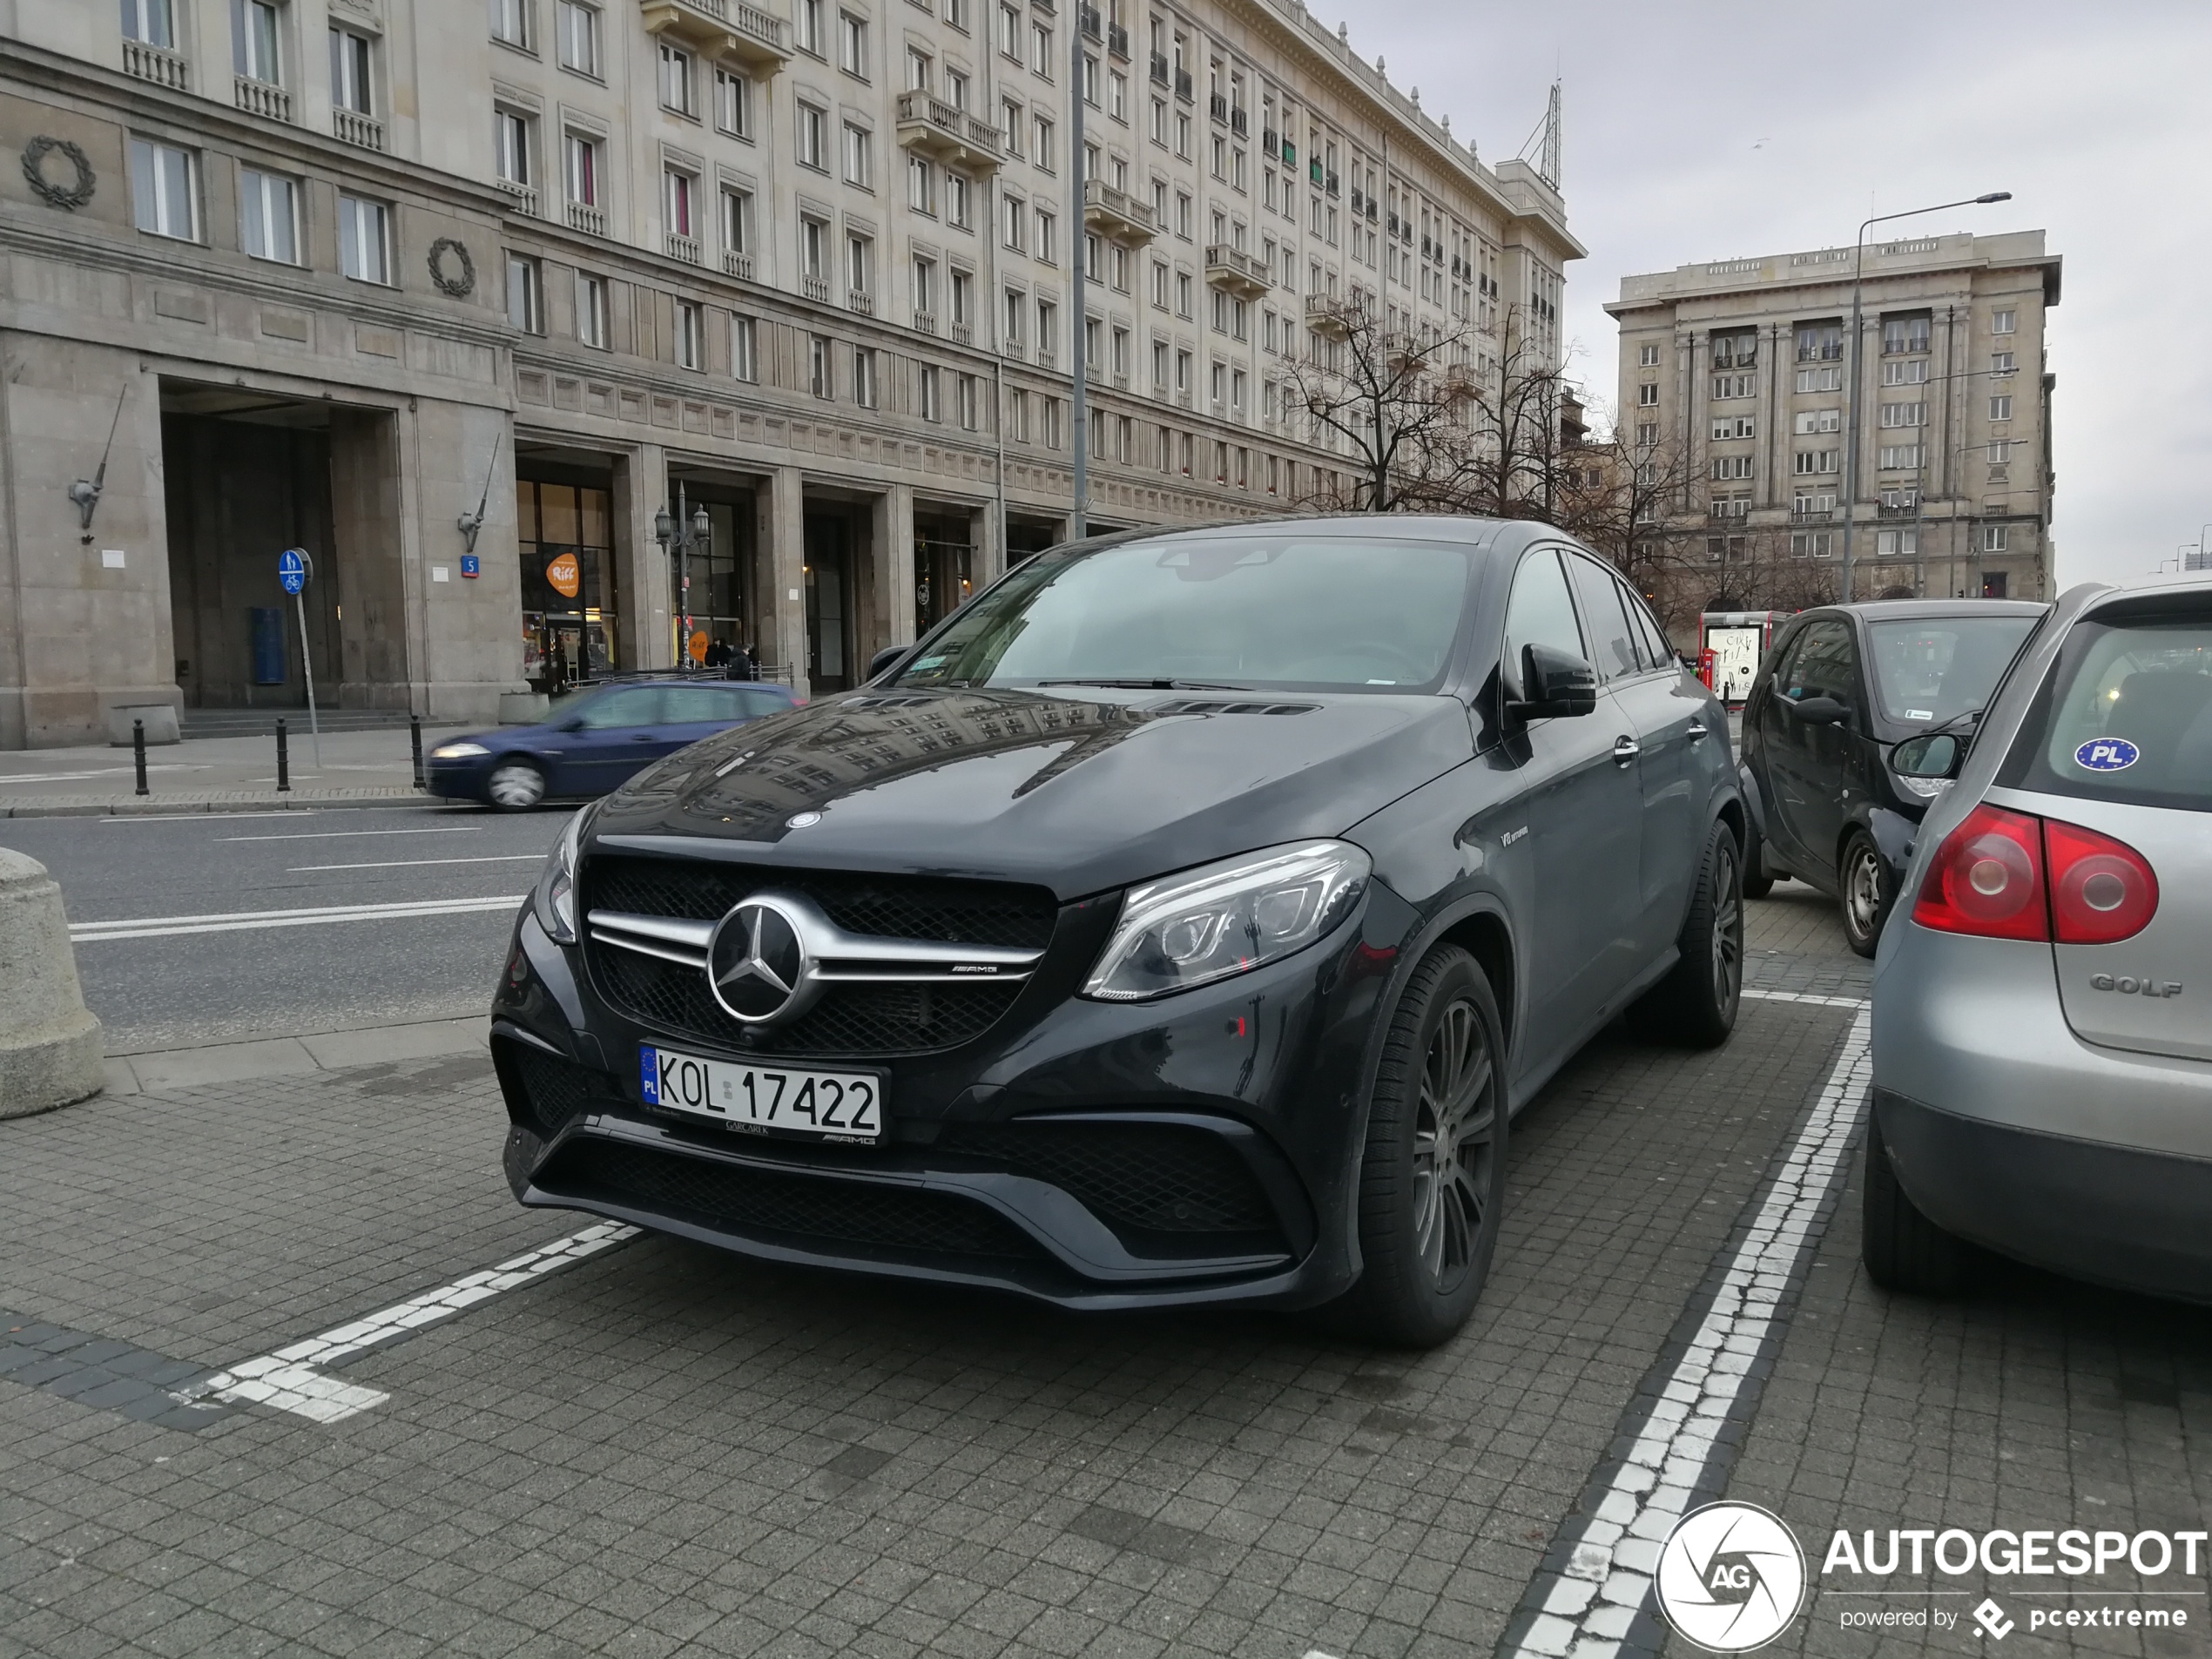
1150 686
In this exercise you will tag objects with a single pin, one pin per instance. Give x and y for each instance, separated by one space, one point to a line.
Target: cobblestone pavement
661 1450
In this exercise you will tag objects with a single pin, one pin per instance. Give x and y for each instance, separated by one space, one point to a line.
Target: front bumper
1199 1149
466 779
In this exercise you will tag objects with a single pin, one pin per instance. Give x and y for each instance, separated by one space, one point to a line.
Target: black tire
1865 892
1903 1250
515 785
1757 883
1695 1006
1426 1244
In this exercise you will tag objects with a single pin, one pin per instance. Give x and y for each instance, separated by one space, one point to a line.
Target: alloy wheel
1454 1140
516 785
1728 926
1863 891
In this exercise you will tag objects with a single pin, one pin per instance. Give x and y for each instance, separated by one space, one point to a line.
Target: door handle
1696 730
1625 750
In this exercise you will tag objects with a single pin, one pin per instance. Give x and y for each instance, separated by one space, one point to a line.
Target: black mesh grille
558 1089
1153 1177
870 1020
800 1207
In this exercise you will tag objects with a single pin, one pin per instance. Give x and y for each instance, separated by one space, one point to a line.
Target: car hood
1078 791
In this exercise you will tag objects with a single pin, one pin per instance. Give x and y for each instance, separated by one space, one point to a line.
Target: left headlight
554 898
1203 925
458 752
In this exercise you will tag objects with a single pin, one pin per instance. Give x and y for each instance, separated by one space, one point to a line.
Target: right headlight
1203 925
554 898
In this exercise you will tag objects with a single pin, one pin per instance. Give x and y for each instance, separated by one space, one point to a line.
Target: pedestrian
718 654
738 664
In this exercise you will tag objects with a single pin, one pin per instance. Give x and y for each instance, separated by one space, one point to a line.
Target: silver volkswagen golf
2042 1020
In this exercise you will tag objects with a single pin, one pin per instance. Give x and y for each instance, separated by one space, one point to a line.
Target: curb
133 806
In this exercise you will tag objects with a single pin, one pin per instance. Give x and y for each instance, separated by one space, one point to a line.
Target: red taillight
2101 890
2011 876
1987 879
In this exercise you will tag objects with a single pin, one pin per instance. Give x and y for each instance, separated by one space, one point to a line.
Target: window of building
510 23
819 374
2000 451
679 190
1732 466
1041 145
690 330
1727 427
813 137
1900 457
864 391
1648 395
1048 241
1010 32
152 21
581 168
1017 414
1014 211
964 396
350 87
1897 544
857 160
1906 372
1040 51
592 311
1820 380
2003 322
1810 420
809 16
1183 292
737 220
921 185
1048 328
1994 537
1736 349
577 27
1648 356
1647 433
745 362
959 290
253 41
364 238
956 211
852 45
733 103
1811 462
1726 386
1820 342
1815 545
676 77
2001 407
268 215
859 261
1903 414
525 300
2002 362
510 138
1904 335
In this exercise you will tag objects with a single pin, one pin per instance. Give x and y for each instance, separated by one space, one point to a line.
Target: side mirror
1936 755
574 723
1817 710
1553 684
884 658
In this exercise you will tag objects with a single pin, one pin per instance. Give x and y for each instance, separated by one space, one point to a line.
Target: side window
1824 663
634 705
754 703
697 704
1540 612
1612 654
1650 635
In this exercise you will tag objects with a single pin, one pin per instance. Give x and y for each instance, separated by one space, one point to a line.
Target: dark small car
1840 688
1179 922
594 740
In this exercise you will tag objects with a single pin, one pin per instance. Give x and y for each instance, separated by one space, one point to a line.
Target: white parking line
333 835
89 933
416 864
1608 1579
291 1379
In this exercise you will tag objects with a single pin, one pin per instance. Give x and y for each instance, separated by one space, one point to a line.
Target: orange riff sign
563 574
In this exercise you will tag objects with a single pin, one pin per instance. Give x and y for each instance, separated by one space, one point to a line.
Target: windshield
1935 668
2126 716
1282 609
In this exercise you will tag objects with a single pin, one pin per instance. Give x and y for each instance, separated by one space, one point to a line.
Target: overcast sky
1715 128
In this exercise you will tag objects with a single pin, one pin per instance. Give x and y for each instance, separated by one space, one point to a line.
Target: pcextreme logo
1731 1577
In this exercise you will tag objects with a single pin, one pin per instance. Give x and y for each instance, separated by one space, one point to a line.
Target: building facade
541 325
1733 383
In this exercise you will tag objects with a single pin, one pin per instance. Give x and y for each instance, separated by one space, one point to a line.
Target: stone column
641 569
989 561
781 625
891 536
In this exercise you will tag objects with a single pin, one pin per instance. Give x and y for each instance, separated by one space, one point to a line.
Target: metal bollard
284 763
138 754
415 736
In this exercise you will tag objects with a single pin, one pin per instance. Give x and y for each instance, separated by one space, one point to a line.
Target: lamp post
1858 262
1078 323
679 536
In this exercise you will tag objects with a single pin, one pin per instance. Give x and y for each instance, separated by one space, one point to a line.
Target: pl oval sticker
2106 754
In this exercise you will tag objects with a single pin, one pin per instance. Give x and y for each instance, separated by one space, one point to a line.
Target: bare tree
1369 391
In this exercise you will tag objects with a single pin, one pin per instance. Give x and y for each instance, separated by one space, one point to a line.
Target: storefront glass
568 597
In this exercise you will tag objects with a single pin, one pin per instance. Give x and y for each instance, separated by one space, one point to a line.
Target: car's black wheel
1868 890
1902 1249
1433 1181
1695 1005
1757 882
515 785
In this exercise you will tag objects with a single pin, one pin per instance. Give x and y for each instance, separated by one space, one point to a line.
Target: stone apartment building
517 315
1732 378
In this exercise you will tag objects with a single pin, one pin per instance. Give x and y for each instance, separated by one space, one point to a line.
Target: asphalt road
189 977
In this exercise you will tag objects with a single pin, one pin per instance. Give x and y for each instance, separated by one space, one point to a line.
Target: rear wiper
1151 685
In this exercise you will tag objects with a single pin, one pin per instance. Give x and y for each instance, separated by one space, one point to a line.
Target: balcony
523 195
1402 350
1045 361
1182 84
1899 510
262 98
1087 19
1159 69
861 300
1460 379
351 126
1911 345
156 63
1328 316
1812 515
946 133
587 218
1831 353
963 333
1728 512
737 265
926 322
1118 215
1118 40
815 288
1234 271
1239 123
728 29
685 248
1217 106
1333 188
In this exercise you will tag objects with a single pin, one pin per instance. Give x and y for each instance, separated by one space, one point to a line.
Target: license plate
826 1105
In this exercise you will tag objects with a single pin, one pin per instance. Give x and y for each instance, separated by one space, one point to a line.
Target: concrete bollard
50 1044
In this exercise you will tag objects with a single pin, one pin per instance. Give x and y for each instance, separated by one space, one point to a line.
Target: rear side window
1657 653
696 704
1824 662
631 706
1613 652
2125 715
1540 613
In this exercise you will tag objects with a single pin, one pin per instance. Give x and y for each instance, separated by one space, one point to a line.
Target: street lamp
679 538
1858 262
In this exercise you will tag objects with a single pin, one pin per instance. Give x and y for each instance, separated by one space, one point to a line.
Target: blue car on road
594 740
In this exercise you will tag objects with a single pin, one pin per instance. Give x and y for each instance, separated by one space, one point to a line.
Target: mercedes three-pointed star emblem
757 962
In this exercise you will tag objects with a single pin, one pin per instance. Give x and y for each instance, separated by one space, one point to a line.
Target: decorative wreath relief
452 268
70 196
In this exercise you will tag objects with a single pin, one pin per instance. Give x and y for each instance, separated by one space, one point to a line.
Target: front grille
800 1207
863 1020
1148 1177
